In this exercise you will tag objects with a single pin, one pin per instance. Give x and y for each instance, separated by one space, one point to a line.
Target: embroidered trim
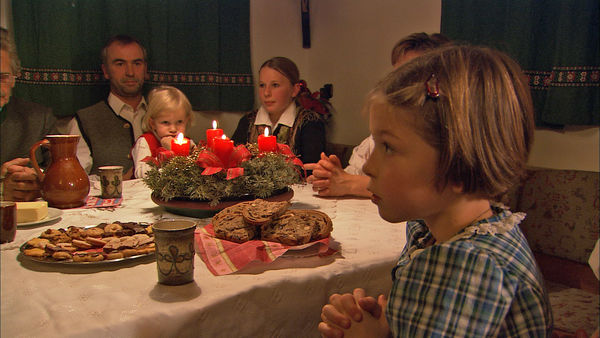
564 77
504 221
91 78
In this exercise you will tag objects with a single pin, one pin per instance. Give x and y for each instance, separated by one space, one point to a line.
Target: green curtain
557 42
201 47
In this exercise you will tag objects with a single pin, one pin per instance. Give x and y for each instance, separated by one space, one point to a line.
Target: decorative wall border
564 77
200 79
92 78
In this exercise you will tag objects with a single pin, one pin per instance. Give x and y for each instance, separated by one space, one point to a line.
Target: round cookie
38 242
296 227
97 242
80 257
95 257
76 232
81 244
229 224
35 252
94 232
114 255
129 252
50 234
111 229
260 212
61 255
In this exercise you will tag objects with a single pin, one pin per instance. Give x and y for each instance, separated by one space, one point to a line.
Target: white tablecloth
281 299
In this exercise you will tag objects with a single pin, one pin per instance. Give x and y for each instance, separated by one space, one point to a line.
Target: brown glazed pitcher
64 184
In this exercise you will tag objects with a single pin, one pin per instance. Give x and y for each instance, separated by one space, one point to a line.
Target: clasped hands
354 315
20 181
329 178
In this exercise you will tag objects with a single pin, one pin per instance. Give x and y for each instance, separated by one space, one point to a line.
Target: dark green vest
110 137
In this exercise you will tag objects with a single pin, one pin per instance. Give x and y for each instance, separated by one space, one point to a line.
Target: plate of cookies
262 231
103 243
271 221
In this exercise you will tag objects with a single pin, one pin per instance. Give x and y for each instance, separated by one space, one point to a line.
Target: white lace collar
502 221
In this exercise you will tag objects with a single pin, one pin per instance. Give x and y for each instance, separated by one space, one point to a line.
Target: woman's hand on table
329 178
354 315
20 181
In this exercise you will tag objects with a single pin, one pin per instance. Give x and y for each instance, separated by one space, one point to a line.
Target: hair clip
433 87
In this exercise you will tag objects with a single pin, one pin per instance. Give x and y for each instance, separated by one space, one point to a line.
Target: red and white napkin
98 202
223 257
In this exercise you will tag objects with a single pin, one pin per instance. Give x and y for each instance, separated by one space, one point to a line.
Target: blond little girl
169 112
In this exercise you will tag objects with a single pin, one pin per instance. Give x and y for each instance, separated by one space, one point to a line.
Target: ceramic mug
8 217
174 239
111 181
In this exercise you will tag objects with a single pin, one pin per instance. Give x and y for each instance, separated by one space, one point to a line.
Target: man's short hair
420 42
123 40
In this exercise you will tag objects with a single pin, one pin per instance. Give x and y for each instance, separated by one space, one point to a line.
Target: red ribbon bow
162 156
285 150
212 164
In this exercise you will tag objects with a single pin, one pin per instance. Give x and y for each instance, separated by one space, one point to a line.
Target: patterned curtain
201 47
557 43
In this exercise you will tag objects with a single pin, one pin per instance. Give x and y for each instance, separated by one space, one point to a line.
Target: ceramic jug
65 183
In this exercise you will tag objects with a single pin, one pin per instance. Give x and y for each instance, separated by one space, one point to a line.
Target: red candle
223 147
213 133
266 142
180 145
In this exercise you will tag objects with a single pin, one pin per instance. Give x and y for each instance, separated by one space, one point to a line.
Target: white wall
574 148
351 42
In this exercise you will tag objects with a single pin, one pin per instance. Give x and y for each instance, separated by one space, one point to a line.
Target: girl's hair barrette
433 87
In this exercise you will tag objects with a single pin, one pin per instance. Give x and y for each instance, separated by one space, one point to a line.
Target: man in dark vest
22 124
110 127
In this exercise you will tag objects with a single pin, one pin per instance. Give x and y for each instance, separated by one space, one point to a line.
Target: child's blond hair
164 98
481 121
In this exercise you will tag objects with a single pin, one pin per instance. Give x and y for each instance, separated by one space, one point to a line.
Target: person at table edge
328 178
22 124
283 95
110 127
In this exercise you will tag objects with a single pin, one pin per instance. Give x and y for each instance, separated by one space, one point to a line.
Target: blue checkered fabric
483 282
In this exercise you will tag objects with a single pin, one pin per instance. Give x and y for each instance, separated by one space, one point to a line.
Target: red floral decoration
212 164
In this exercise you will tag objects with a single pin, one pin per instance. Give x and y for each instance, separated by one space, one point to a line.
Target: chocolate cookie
260 212
229 224
297 227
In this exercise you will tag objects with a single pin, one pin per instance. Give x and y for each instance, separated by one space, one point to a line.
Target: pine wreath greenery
181 178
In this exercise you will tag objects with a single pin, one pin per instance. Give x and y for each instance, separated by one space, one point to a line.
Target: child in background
283 97
452 130
169 112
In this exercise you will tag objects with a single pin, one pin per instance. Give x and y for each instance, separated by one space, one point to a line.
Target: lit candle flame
214 124
179 139
266 131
